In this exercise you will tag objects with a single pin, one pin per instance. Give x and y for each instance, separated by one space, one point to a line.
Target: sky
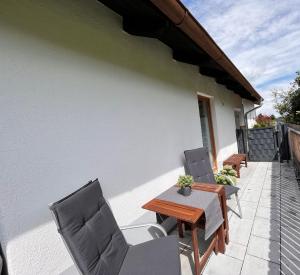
261 37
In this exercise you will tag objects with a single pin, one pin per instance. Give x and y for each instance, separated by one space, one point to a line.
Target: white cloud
262 38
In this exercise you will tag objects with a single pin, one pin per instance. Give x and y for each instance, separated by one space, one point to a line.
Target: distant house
115 90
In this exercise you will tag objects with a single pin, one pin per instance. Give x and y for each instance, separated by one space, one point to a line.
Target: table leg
196 249
221 239
216 247
224 210
180 229
227 237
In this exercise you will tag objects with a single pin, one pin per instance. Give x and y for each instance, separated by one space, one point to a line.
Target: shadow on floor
286 197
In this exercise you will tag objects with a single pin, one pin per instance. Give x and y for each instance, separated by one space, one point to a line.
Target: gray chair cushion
156 257
198 166
90 231
230 190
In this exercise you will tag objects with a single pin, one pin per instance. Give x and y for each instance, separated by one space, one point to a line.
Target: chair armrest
128 227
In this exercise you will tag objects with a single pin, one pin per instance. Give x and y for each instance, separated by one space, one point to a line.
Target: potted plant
185 184
227 176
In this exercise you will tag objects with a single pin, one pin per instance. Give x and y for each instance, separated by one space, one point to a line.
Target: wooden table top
208 187
182 212
234 158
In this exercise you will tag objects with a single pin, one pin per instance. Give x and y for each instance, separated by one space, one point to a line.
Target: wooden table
192 216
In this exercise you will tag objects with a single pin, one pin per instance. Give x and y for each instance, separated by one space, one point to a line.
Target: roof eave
186 22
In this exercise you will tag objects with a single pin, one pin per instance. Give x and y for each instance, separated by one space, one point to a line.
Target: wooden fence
294 144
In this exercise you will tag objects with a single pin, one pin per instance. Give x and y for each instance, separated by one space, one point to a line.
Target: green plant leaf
185 181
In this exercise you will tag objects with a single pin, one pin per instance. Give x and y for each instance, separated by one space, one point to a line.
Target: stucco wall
225 125
80 99
248 105
223 103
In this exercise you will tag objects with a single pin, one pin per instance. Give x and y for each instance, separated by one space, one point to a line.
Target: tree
264 121
287 102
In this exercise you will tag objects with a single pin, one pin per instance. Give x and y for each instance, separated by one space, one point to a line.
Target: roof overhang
171 23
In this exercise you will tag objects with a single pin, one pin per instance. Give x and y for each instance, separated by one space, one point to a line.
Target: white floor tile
236 250
265 228
253 265
248 209
223 265
264 249
269 202
240 230
251 194
268 213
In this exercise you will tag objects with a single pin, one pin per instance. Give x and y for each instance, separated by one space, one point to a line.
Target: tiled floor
267 239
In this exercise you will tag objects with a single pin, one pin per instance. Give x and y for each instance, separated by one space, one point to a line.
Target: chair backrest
90 231
198 165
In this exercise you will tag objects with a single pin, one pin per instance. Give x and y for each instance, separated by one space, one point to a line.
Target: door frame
207 100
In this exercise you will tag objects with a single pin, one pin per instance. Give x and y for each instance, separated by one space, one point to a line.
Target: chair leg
238 204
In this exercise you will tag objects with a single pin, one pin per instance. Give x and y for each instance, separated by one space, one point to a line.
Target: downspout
246 124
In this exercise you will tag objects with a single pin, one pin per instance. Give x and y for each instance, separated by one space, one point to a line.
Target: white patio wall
248 105
80 99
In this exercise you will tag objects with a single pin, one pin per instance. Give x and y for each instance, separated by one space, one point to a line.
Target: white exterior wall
248 105
223 103
81 99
